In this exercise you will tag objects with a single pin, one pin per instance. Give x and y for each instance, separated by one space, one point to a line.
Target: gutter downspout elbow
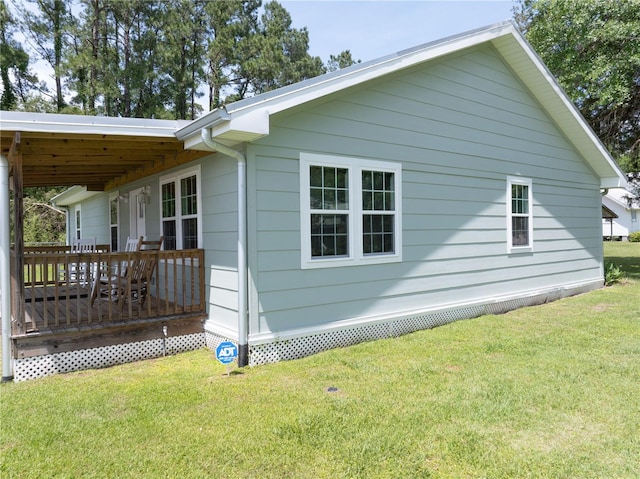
5 277
243 275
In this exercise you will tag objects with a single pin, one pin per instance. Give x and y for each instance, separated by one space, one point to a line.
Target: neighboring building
439 183
628 214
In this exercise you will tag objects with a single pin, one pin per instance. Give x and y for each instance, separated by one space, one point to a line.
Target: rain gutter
243 310
5 277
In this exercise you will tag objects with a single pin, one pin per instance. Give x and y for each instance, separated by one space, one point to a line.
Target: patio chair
141 272
110 274
129 282
133 244
80 272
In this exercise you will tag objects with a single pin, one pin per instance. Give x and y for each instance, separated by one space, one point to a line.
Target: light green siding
220 239
459 126
94 215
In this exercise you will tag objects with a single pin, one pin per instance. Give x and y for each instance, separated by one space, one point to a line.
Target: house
439 183
627 214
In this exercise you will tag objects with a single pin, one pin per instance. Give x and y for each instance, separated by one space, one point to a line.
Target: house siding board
94 214
444 271
432 295
219 215
459 126
220 240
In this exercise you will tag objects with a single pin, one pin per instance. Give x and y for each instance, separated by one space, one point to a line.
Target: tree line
150 59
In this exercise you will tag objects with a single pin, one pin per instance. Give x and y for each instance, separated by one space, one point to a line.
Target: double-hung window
350 211
180 207
519 215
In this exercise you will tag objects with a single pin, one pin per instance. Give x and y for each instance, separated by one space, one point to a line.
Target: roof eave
73 195
88 125
248 119
531 70
229 130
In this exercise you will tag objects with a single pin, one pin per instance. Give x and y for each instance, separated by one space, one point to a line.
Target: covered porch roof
100 153
608 214
90 153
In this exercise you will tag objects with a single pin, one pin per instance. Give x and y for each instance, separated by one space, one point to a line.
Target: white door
137 212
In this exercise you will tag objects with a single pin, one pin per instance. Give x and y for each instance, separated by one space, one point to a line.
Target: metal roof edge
501 28
83 124
209 120
73 195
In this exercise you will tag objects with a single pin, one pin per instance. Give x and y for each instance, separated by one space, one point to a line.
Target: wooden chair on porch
130 281
80 272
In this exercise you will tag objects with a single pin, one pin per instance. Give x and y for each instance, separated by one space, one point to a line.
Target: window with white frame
181 210
350 211
519 214
114 214
78 226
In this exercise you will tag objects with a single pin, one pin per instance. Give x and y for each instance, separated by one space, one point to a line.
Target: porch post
15 157
5 277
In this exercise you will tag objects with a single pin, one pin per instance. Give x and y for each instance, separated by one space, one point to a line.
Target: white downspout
5 276
243 308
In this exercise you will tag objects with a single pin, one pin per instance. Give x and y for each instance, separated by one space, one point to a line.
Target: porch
61 312
51 313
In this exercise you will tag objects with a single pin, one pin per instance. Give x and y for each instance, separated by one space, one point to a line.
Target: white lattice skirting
40 366
295 345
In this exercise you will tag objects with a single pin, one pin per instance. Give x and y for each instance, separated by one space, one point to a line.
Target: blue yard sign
226 352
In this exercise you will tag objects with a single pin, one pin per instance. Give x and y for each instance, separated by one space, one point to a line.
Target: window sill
348 262
520 249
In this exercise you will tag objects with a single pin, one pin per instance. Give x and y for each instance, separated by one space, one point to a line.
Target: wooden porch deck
49 309
58 316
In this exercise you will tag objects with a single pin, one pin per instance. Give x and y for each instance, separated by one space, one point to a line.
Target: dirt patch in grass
602 307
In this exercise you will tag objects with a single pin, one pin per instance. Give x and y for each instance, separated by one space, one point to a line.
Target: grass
625 255
548 391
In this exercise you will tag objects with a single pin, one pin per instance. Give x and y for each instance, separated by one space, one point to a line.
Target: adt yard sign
226 352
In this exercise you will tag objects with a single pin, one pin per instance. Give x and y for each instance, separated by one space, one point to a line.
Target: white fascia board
255 125
93 125
241 128
73 195
613 182
216 117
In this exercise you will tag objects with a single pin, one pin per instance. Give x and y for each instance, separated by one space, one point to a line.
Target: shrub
612 274
634 237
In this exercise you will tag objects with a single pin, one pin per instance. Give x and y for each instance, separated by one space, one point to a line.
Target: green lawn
624 254
551 391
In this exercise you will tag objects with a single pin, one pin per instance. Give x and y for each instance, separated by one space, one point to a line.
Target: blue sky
372 29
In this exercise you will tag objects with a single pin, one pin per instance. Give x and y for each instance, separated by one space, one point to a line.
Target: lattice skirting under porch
40 366
305 345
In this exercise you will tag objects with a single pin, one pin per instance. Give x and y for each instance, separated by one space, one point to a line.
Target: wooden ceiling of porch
99 162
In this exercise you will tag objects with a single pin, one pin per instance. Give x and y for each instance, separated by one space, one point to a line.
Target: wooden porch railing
64 290
37 268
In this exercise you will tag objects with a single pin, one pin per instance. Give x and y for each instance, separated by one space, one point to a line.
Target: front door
137 205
